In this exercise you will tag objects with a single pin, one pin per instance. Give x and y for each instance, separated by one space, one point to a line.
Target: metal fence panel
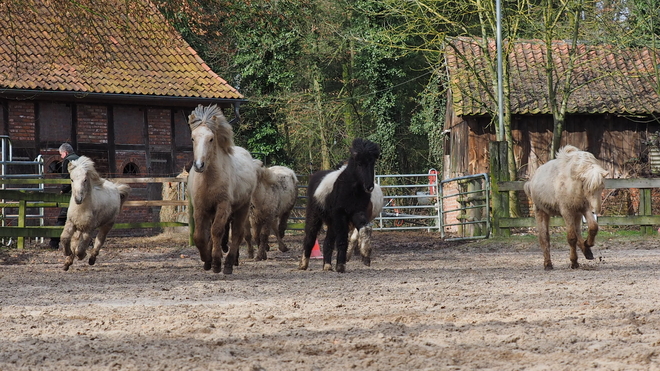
465 207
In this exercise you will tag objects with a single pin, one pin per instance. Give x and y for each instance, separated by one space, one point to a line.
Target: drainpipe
237 114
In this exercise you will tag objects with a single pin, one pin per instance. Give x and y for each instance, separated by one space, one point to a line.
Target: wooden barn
116 82
612 111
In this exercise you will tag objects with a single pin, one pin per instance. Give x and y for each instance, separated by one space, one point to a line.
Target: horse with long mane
272 203
95 203
571 185
220 185
338 198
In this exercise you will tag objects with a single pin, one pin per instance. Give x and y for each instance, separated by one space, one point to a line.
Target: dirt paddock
424 304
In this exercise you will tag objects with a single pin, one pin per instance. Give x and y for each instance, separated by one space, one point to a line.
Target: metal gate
465 207
13 169
411 202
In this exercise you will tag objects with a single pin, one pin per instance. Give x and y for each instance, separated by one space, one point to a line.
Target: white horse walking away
95 203
220 185
571 185
272 203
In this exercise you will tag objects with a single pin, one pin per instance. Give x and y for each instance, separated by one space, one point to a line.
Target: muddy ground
424 304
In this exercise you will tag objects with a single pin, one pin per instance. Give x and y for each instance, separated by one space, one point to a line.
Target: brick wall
160 130
92 124
21 121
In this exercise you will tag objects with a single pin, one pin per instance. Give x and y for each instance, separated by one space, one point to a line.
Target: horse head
81 172
209 131
362 162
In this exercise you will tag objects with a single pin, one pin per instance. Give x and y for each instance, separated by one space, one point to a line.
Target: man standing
67 154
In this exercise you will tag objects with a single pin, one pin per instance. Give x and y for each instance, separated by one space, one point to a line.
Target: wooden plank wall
617 141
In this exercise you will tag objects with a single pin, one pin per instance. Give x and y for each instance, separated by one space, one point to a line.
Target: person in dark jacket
67 154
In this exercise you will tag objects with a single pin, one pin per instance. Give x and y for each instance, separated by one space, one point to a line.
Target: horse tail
267 176
593 178
124 191
565 151
528 189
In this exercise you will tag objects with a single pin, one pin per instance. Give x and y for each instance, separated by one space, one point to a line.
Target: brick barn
118 87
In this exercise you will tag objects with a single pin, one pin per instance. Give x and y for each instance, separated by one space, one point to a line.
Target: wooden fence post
645 209
499 172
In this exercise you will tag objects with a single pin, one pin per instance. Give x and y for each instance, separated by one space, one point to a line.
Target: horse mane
364 148
87 164
214 119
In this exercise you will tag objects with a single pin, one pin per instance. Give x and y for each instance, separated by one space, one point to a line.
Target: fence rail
22 200
646 220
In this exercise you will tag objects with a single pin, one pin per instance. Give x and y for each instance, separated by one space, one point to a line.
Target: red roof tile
40 48
606 79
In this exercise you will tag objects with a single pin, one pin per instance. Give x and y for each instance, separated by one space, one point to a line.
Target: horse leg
542 224
237 229
218 228
249 227
201 236
313 224
352 241
262 231
281 228
591 237
99 241
359 220
328 246
65 239
364 237
275 225
83 243
571 235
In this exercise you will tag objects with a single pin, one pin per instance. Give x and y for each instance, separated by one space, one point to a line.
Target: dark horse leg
313 224
542 223
329 246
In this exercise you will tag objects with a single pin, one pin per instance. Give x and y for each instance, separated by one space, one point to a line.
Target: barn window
131 169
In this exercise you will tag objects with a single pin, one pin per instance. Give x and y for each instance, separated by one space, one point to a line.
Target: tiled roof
606 79
112 51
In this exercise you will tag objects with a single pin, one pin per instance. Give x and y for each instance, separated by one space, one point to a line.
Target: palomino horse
220 184
95 203
339 198
571 185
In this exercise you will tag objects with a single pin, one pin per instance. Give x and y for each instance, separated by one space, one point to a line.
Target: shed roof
606 79
114 47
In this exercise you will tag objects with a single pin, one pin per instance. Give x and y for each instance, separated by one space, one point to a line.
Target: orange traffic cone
316 251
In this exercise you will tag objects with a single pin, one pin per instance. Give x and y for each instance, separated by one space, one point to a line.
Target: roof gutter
131 99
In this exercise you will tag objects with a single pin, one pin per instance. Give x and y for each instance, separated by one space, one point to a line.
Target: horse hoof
216 268
341 268
82 255
548 267
283 248
304 263
92 260
66 267
207 266
229 269
327 267
366 261
575 265
588 254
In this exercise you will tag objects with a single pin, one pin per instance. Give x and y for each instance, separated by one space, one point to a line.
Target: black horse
338 198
